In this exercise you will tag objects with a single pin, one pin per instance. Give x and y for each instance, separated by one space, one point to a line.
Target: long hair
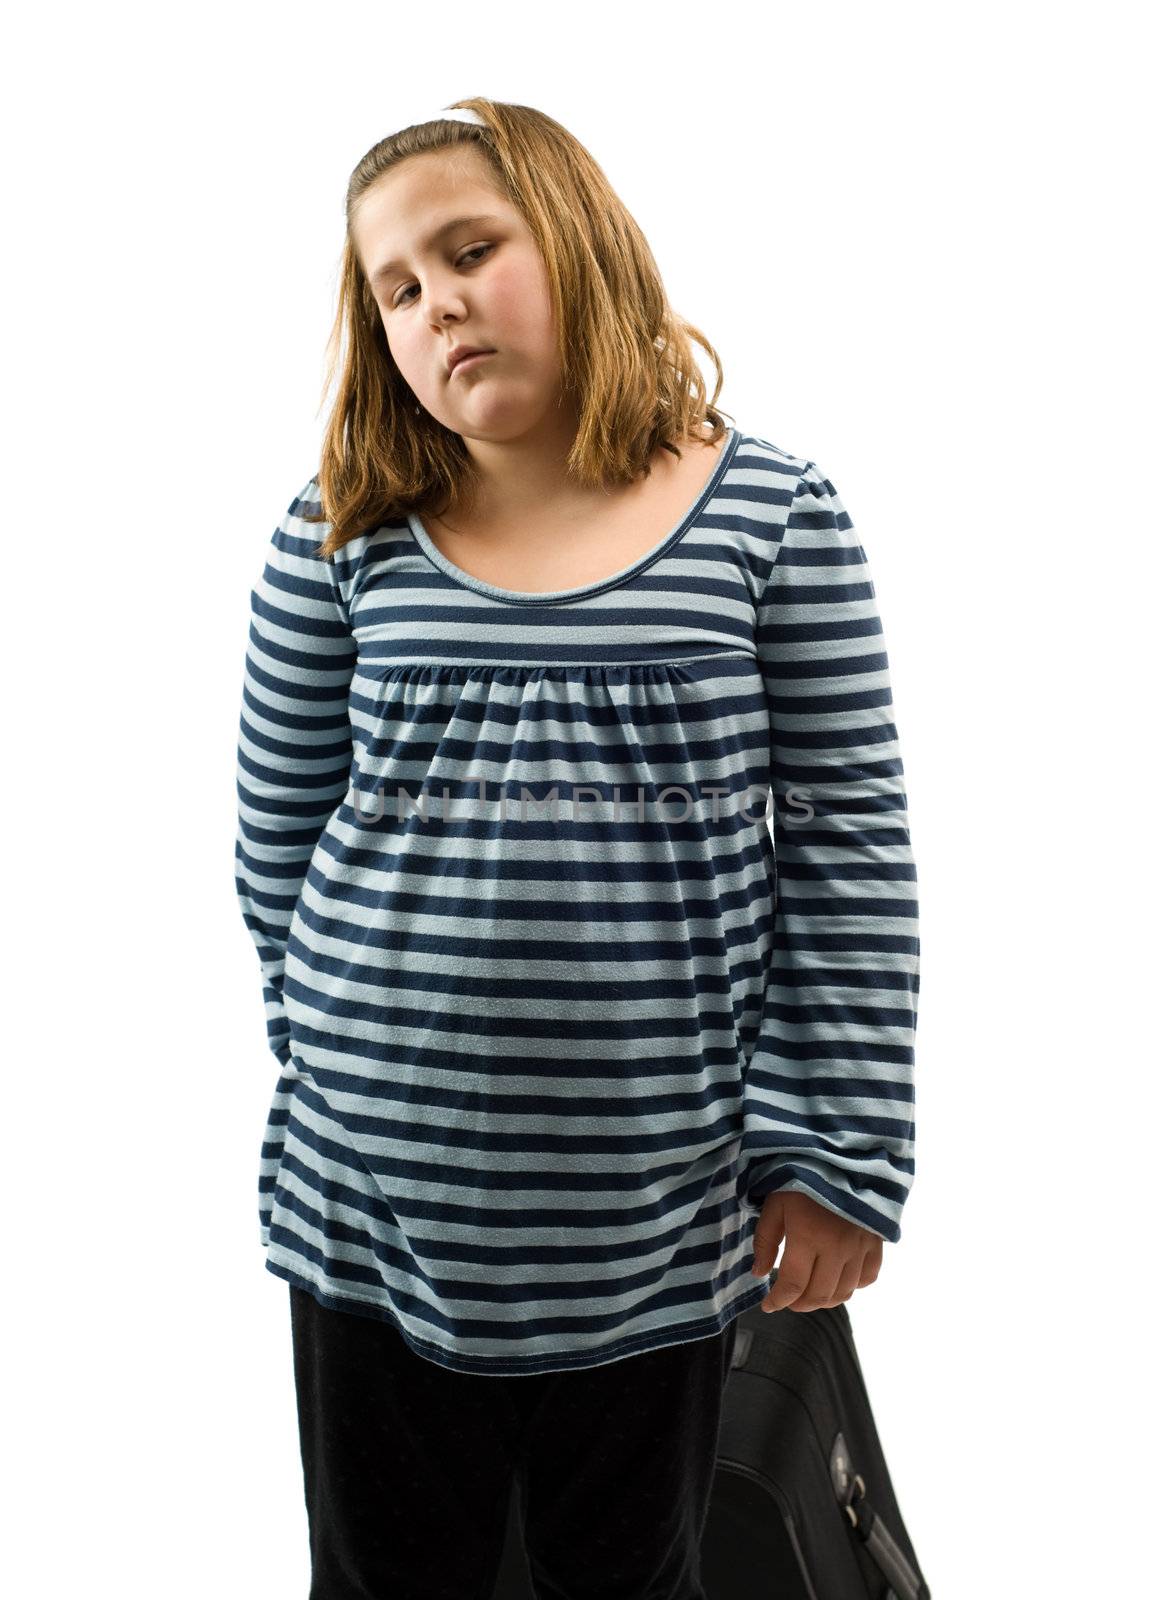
625 357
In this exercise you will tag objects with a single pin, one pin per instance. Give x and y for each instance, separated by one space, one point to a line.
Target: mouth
469 361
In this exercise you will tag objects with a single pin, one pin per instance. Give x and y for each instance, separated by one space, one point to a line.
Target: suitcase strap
882 1547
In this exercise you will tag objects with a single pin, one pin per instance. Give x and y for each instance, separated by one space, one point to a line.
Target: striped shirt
586 920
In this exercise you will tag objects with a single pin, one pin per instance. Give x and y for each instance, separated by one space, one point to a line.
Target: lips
467 355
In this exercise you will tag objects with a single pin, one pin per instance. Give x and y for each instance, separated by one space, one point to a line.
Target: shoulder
793 489
309 497
296 529
771 468
765 483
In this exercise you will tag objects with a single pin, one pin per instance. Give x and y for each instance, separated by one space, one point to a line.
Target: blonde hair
625 357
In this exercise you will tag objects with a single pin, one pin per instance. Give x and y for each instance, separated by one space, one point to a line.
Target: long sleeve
295 745
829 1090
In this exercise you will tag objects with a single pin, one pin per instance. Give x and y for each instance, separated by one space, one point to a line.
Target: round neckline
580 591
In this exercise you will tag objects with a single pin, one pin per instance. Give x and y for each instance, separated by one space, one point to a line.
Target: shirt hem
551 1361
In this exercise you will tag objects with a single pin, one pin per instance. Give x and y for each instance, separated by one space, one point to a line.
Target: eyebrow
440 232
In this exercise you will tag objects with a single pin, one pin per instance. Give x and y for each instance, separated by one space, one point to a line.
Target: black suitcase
802 1506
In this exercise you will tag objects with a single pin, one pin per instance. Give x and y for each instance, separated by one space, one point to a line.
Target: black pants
409 1466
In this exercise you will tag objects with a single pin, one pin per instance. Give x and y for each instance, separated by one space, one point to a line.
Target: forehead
400 211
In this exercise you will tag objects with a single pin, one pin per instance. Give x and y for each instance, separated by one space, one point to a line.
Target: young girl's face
481 283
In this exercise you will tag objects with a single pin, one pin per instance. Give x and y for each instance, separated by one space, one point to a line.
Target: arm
295 745
829 1101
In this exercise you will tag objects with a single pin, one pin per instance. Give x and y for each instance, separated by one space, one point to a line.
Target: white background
919 238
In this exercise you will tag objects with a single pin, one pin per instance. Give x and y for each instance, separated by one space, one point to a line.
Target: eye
399 299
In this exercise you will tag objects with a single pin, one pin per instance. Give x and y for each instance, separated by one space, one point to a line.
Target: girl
537 656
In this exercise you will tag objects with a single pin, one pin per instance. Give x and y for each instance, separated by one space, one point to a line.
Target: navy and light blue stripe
537 1070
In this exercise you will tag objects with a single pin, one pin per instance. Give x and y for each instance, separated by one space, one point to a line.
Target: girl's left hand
826 1256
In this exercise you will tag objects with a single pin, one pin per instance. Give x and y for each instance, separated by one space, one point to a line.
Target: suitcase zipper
754 1475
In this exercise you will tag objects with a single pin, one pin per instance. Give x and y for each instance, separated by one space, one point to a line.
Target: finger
767 1237
822 1287
871 1265
846 1283
792 1276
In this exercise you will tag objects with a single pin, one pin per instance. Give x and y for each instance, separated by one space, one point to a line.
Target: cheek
519 303
403 345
